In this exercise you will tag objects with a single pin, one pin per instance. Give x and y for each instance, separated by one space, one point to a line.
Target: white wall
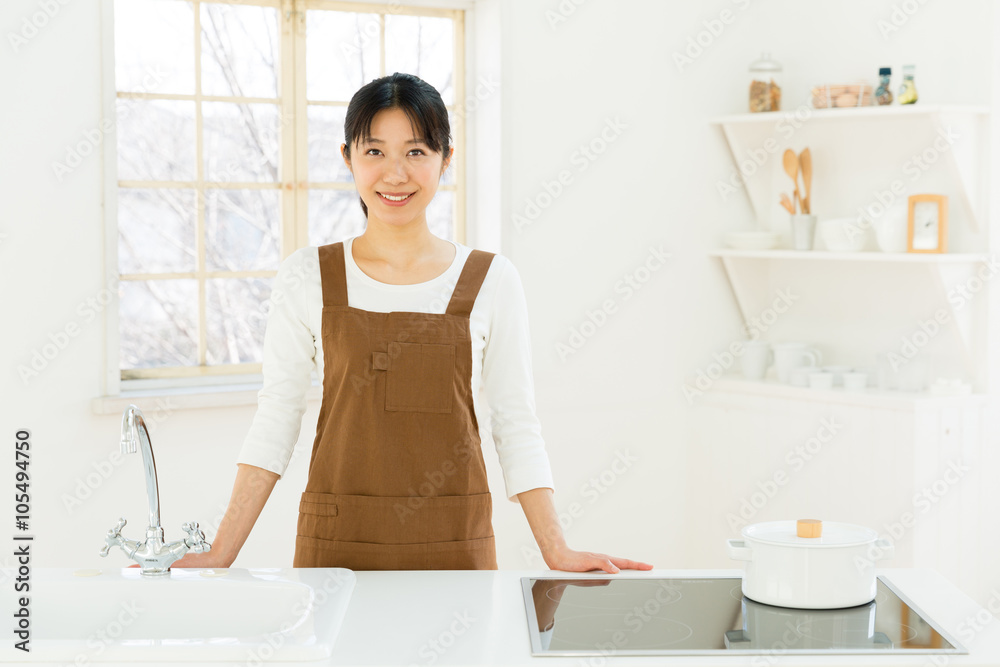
655 185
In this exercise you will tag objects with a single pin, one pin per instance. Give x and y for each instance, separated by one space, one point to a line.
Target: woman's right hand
209 560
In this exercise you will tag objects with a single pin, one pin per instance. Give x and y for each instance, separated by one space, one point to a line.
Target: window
230 118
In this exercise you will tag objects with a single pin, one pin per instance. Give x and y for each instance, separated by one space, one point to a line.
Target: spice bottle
908 91
883 93
765 92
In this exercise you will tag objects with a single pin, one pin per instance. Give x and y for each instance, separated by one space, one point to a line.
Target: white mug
757 356
793 355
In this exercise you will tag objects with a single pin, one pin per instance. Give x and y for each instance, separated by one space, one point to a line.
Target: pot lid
835 534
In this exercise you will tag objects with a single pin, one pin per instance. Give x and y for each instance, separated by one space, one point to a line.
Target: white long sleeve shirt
501 358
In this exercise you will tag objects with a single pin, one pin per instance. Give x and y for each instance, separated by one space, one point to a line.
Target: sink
192 614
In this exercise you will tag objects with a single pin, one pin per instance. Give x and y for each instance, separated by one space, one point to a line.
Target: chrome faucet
153 555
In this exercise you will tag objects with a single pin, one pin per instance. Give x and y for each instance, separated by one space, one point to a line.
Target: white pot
832 571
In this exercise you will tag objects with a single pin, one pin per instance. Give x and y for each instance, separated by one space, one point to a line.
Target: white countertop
413 609
478 618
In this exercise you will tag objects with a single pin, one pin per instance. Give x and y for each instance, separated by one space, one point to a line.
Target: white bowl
843 234
754 240
837 372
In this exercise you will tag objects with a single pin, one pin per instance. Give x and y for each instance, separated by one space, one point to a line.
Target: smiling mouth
396 198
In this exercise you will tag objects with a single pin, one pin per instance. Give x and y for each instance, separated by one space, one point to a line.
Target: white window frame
481 229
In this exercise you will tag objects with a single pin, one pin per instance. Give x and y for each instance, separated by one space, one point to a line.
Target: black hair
420 101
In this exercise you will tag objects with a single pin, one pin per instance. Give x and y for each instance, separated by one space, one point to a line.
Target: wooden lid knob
809 528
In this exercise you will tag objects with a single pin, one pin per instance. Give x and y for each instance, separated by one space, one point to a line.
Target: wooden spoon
787 203
805 161
791 163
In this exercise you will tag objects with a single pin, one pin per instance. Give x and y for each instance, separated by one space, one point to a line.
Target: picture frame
927 224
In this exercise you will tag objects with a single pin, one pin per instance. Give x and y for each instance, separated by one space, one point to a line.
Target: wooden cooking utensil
805 161
787 203
791 163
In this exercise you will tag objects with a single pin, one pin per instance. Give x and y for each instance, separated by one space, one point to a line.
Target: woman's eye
369 151
417 150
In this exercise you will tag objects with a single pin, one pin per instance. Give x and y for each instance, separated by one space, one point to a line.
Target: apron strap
333 274
467 288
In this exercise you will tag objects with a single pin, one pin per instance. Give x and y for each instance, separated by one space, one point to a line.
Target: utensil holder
803 231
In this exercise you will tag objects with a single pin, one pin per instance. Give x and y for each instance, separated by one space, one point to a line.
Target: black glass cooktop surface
653 616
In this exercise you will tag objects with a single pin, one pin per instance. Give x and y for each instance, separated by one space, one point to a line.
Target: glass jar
765 79
883 94
908 91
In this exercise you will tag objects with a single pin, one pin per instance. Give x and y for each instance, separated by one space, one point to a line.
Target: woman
402 327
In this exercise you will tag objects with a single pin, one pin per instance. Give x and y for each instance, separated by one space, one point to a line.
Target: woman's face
395 164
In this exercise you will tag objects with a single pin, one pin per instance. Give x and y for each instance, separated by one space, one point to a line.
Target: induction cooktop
711 616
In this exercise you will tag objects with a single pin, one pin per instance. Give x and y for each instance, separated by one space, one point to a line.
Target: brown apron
397 479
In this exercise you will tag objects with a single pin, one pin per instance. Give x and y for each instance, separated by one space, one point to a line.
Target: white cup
855 381
820 380
793 355
757 356
838 373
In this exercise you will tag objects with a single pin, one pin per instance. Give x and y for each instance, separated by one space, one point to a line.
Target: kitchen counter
478 618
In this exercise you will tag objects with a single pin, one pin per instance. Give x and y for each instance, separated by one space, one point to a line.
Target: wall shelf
749 276
747 134
863 157
886 112
874 398
911 258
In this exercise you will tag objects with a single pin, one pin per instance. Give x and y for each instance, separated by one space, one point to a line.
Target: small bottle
908 91
883 94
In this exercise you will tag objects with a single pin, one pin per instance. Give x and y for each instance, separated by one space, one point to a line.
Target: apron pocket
420 377
479 554
395 520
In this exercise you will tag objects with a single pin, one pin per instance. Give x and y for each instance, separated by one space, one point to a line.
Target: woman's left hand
564 558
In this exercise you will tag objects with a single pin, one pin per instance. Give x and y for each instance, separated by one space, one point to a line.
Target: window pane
237 314
424 47
334 215
243 230
240 142
239 50
156 230
158 323
154 46
441 215
155 140
326 133
342 53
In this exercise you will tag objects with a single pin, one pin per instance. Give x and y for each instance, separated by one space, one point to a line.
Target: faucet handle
196 542
114 537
